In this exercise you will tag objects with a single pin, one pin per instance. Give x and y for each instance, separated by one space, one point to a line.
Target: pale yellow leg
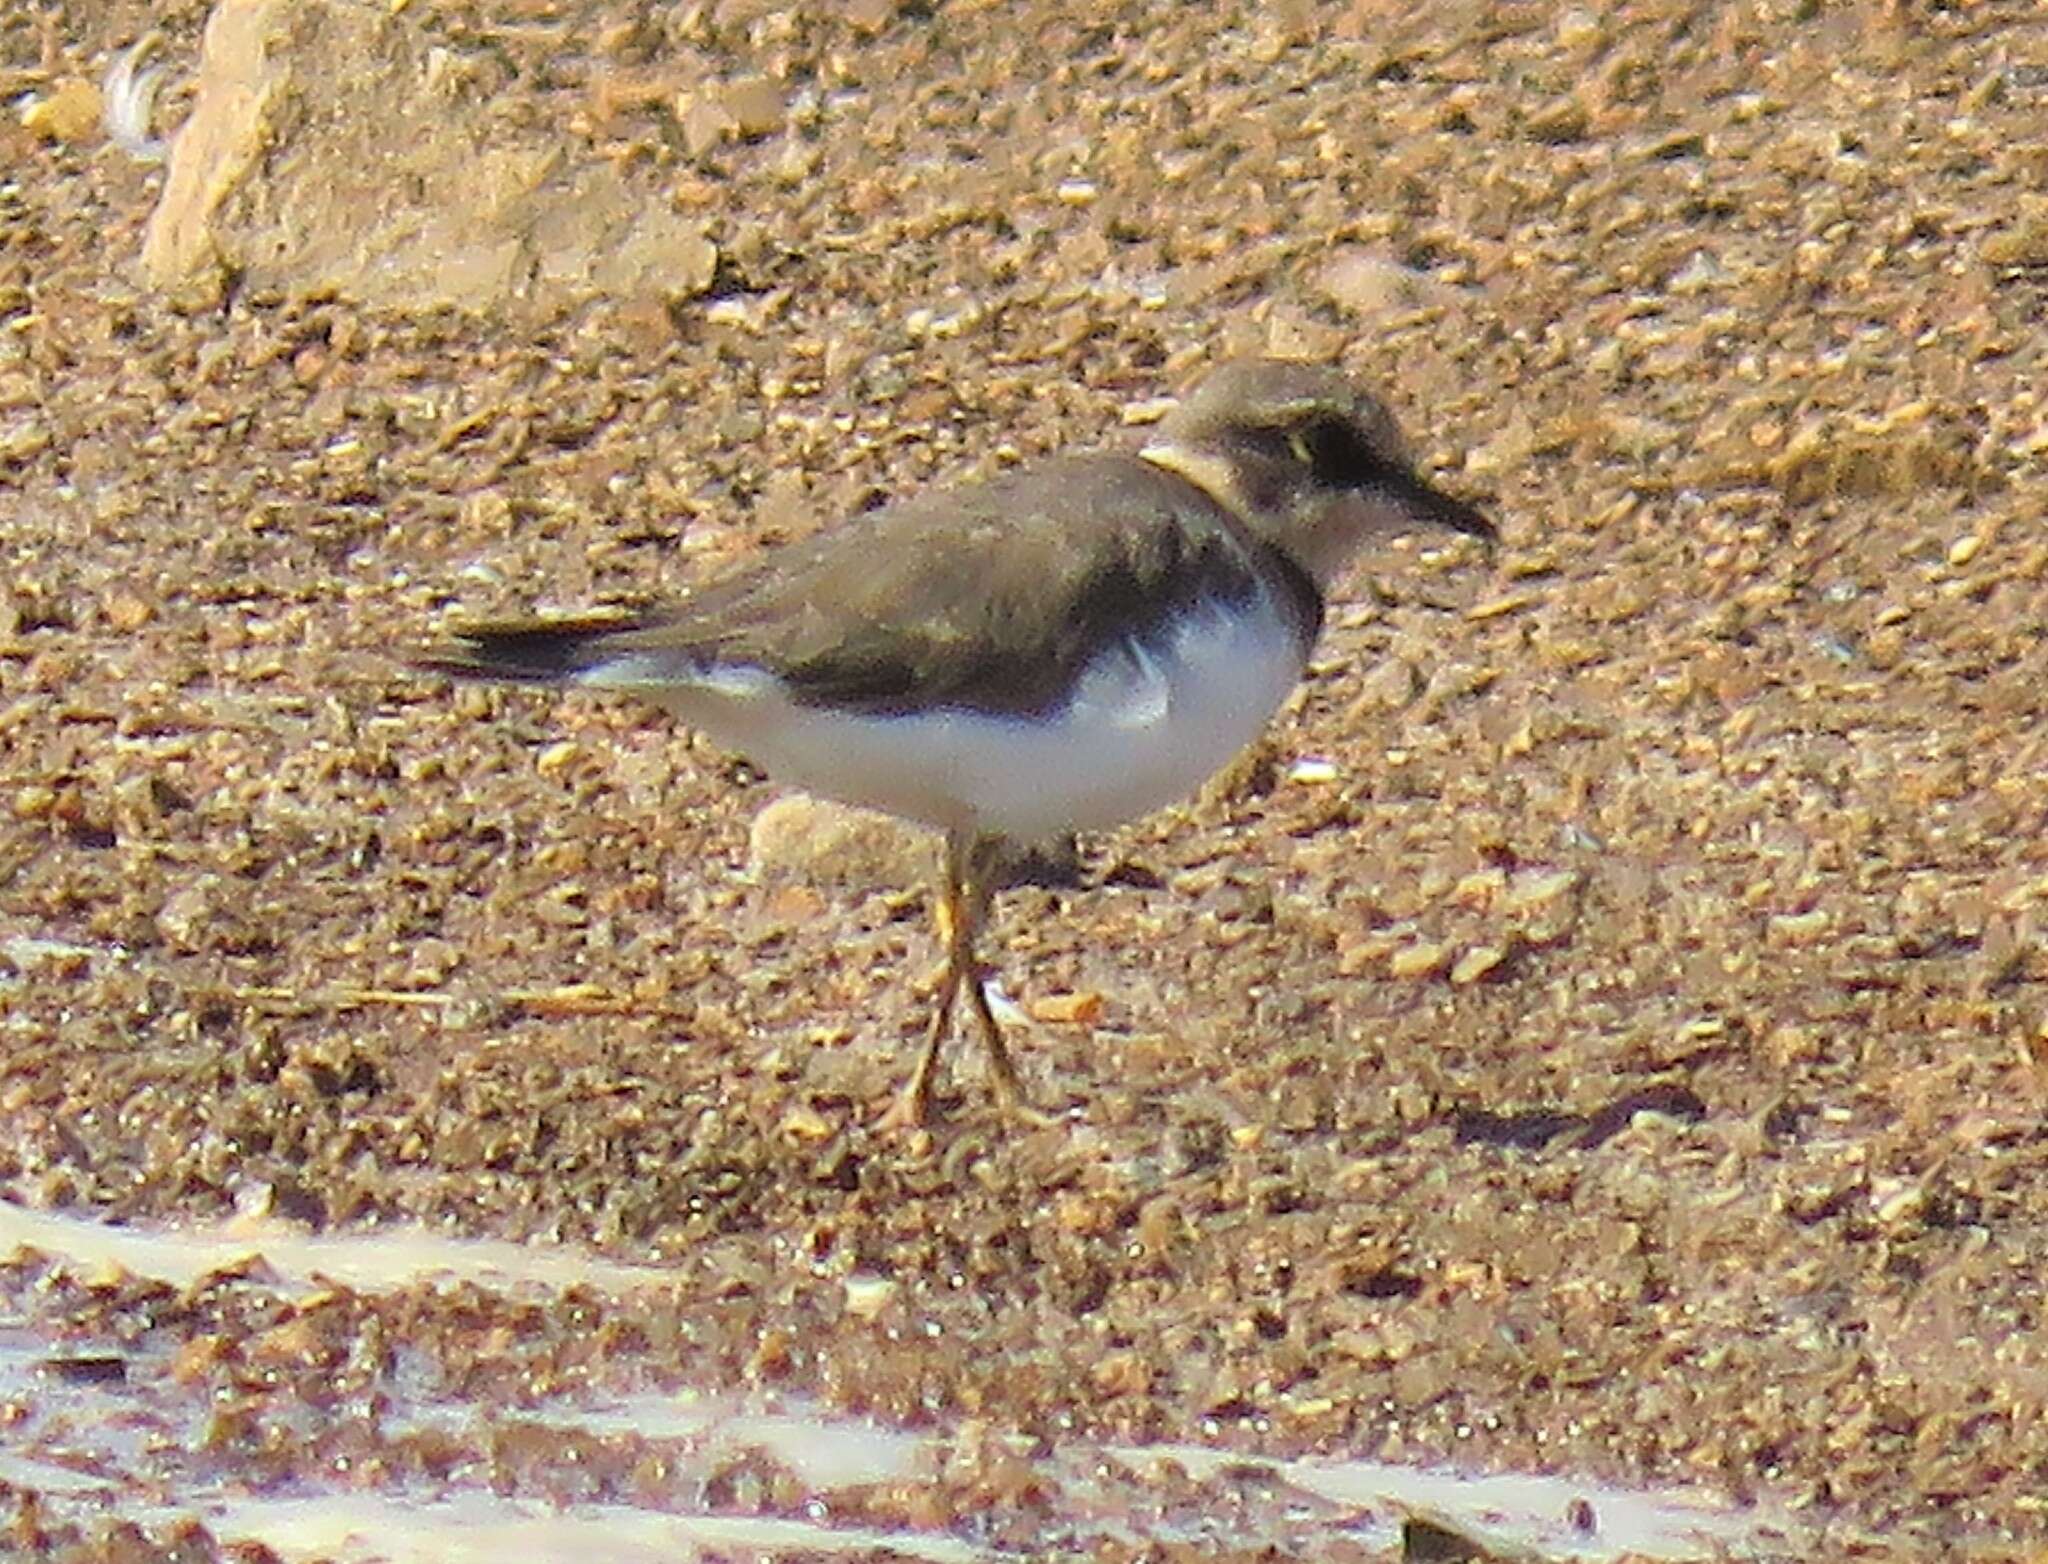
913 1104
966 890
1010 1094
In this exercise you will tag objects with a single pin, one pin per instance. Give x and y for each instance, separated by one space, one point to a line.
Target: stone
334 148
69 113
831 845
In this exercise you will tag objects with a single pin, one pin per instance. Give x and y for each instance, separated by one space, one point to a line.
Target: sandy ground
1620 1051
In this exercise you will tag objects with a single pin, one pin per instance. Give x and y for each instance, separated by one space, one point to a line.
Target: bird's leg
967 887
913 1104
984 858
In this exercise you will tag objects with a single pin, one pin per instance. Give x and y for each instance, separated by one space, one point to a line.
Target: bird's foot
912 1109
1011 1099
1016 1108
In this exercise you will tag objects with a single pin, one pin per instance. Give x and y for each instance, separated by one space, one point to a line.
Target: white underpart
1145 725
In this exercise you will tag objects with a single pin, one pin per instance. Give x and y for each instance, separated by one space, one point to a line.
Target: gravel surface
1604 1029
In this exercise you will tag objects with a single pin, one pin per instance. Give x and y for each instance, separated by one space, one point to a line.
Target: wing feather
990 596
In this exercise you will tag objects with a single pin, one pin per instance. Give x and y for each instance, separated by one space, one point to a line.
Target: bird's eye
1277 445
1337 454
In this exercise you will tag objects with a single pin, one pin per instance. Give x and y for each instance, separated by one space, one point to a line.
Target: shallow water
121 1433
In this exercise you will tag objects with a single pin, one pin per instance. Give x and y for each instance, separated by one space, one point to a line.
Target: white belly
1144 727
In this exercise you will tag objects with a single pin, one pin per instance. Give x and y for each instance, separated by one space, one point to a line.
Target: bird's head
1310 463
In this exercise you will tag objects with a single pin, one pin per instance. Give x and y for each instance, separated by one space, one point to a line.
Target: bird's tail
529 651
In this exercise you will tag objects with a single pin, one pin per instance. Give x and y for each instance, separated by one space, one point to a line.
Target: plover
1064 647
